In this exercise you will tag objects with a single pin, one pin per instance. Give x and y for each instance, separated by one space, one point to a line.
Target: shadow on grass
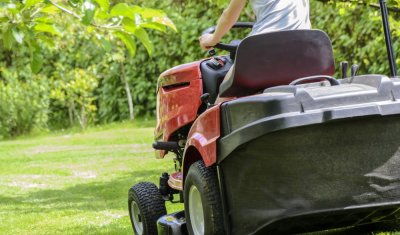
94 196
100 203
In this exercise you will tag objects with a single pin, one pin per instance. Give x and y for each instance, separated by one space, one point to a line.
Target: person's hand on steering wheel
208 41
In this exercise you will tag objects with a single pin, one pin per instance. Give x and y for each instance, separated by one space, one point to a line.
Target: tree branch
108 27
65 10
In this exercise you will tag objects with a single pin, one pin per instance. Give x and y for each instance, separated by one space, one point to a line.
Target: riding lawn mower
279 146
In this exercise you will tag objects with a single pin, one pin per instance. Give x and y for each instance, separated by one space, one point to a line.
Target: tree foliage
355 28
82 55
33 22
60 40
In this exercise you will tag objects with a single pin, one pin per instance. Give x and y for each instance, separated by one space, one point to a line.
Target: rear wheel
145 206
203 205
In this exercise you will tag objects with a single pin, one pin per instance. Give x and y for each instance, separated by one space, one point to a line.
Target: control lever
354 70
205 99
344 67
166 145
212 52
215 63
164 188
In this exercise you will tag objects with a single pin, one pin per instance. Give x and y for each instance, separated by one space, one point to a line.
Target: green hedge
23 104
357 34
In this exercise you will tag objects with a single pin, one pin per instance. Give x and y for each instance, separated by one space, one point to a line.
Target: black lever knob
212 52
205 97
344 67
354 70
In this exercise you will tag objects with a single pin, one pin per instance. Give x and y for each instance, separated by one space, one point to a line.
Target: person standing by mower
271 15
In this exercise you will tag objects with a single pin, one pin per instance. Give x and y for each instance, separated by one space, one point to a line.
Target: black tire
203 179
145 206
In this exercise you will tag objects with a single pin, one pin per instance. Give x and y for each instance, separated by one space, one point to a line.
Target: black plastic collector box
306 157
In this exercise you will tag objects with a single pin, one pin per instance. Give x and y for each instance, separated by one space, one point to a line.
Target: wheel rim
196 211
136 218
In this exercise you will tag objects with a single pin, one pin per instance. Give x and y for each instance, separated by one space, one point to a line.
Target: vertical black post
388 38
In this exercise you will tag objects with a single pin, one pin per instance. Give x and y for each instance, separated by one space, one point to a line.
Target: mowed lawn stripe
75 183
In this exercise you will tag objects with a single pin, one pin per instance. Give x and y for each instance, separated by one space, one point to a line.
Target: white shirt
275 15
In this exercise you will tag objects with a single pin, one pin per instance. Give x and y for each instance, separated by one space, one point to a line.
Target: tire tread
211 193
151 205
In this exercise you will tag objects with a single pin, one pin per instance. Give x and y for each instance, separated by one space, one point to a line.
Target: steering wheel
231 47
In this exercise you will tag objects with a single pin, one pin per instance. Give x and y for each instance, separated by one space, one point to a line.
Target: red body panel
204 134
178 100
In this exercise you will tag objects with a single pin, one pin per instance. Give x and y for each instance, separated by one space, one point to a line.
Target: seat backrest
278 58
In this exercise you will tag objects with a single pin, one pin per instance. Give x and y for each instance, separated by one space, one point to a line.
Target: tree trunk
71 113
128 92
83 119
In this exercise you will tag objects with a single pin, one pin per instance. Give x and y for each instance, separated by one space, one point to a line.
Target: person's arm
225 22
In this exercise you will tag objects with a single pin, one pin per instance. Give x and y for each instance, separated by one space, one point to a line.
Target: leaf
154 25
89 9
123 9
102 15
13 8
50 9
165 21
129 25
117 57
105 44
90 29
8 39
47 40
73 3
142 35
47 28
128 41
36 61
29 3
4 19
150 13
104 4
18 36
43 19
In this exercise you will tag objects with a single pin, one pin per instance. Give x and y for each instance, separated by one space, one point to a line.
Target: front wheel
203 205
145 206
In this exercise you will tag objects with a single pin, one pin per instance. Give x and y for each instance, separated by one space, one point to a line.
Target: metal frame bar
388 38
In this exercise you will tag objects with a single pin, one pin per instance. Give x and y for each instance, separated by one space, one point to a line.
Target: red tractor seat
278 58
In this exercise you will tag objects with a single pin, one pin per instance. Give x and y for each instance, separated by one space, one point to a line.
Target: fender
202 139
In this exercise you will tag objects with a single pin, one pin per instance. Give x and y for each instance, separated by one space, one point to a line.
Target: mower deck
339 218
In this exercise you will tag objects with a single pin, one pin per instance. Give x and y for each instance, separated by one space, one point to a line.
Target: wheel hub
136 218
196 211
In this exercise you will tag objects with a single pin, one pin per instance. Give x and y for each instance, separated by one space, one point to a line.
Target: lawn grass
75 183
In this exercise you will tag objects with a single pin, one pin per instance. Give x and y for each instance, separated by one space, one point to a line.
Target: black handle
330 79
388 38
166 145
344 67
354 70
